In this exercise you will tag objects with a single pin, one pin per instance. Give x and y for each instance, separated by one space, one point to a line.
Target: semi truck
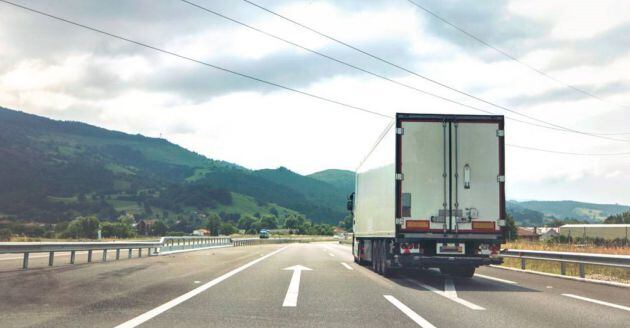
431 194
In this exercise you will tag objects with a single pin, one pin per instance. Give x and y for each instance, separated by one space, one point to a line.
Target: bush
5 234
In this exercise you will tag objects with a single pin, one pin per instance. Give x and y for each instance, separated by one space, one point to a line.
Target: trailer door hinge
400 131
400 176
500 133
500 178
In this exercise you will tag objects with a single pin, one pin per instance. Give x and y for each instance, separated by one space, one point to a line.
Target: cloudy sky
60 71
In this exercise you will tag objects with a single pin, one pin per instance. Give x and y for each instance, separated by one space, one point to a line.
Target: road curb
192 250
594 281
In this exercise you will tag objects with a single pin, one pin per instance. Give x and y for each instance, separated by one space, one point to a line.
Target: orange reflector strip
416 224
484 225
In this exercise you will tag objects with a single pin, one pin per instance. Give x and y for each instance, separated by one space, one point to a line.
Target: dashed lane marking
496 279
422 322
449 295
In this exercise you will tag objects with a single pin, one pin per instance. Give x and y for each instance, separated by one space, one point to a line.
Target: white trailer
431 193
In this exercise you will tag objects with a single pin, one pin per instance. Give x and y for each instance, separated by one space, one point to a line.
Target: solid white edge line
347 266
616 306
593 281
496 279
409 312
463 302
178 300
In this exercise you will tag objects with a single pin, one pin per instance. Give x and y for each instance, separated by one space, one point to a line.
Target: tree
245 222
291 223
346 223
619 218
269 222
510 228
227 228
214 224
158 228
84 227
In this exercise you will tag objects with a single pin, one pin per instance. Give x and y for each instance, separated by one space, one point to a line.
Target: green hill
57 170
341 179
575 210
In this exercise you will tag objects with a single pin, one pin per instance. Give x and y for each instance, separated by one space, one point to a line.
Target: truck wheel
373 255
464 272
385 271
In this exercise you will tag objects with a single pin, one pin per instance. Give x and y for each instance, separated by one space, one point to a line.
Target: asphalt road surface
249 287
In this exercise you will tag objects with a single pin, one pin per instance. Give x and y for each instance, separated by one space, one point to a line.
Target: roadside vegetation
598 246
128 227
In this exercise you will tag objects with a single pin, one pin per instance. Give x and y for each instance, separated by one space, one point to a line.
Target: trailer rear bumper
442 261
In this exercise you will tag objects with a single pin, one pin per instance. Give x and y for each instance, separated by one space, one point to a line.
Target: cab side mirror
350 203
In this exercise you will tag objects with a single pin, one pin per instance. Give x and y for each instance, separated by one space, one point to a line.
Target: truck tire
373 255
463 272
385 271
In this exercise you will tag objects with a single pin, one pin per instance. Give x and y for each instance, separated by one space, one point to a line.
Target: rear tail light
411 225
483 225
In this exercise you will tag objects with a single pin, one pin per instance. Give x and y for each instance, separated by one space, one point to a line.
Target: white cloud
110 84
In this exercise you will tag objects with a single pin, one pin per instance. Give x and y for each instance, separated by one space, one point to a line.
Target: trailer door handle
466 176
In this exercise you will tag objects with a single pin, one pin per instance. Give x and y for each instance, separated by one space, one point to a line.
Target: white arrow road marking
495 279
409 312
290 300
616 306
331 254
347 266
448 294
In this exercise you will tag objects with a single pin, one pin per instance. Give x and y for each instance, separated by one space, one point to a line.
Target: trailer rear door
452 174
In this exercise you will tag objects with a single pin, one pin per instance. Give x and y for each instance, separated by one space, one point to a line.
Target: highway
321 287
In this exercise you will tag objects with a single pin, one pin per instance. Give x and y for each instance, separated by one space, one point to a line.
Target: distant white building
547 233
605 231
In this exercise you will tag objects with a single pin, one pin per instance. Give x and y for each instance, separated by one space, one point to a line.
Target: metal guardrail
581 259
153 247
165 244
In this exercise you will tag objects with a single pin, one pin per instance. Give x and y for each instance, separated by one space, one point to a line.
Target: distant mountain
565 209
55 170
341 179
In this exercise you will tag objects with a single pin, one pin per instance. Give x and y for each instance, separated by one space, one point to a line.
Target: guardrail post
139 252
117 253
104 255
563 268
72 256
582 275
130 253
522 263
51 257
89 256
25 261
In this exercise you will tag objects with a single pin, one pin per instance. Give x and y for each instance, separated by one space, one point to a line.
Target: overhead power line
359 68
251 77
567 152
506 54
198 61
555 126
